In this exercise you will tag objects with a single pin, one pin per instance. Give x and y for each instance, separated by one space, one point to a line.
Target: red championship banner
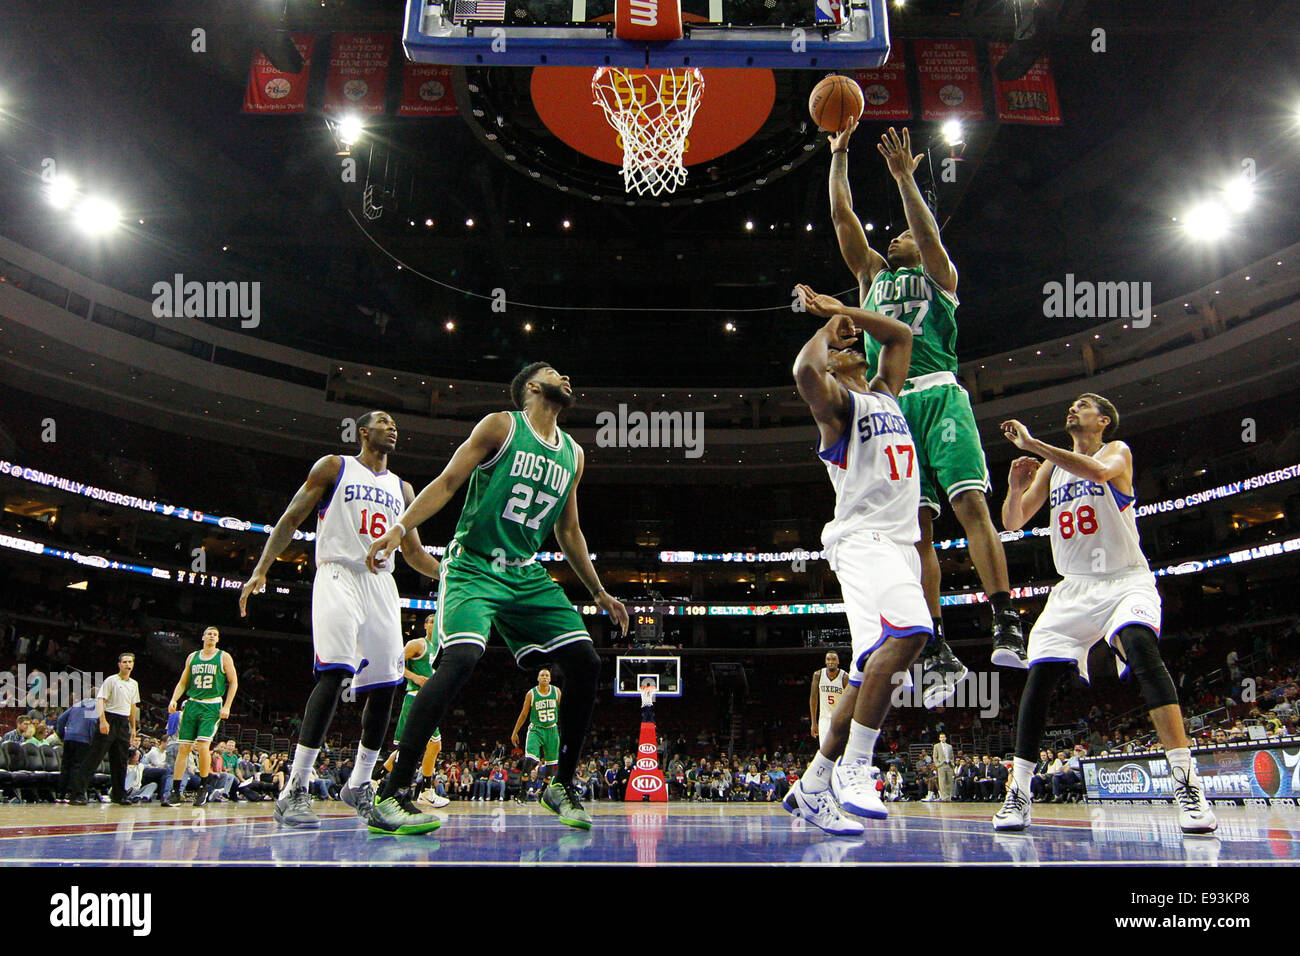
358 73
884 91
646 784
270 91
427 91
1030 99
950 79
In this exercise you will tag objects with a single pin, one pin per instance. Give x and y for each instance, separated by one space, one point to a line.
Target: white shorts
356 624
881 581
1083 610
823 726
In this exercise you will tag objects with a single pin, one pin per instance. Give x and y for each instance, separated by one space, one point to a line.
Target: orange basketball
833 102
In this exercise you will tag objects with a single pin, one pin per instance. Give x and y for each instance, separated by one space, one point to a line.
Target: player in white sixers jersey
1108 594
828 686
870 543
356 616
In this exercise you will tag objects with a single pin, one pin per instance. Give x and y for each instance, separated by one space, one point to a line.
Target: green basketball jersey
912 297
515 498
207 678
422 665
546 709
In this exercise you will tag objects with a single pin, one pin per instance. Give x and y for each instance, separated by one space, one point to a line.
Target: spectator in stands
1040 783
766 789
893 785
533 789
76 727
496 780
988 781
1064 777
156 768
777 773
752 782
466 782
20 733
967 785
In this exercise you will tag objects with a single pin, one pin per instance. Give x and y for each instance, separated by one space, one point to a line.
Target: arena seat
21 777
6 778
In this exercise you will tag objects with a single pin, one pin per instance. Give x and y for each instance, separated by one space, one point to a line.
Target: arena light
749 225
61 191
348 129
1239 193
952 132
1206 220
96 216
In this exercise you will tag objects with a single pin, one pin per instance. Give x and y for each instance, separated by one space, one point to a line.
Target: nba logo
829 11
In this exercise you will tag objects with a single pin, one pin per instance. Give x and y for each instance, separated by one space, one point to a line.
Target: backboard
629 671
784 34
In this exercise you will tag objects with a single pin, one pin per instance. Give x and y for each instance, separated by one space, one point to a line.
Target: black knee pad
1142 655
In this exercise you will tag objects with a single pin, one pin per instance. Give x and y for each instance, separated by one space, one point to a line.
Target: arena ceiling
1184 93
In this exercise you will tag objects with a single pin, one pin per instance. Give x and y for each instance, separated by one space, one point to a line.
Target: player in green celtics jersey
916 283
209 683
541 710
419 655
523 472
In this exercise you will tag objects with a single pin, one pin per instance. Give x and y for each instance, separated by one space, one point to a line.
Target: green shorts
401 719
543 744
198 721
529 609
948 451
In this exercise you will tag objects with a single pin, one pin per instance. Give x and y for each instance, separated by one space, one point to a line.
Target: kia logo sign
647 763
645 784
647 749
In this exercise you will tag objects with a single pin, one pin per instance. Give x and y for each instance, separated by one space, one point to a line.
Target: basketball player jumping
828 686
356 617
915 282
1108 593
870 543
208 679
523 473
540 711
418 668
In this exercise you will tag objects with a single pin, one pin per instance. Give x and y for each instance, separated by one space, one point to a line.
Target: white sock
1023 773
365 765
304 760
862 743
818 775
1180 759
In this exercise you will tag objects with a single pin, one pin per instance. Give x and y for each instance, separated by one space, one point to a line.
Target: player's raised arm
897 150
863 261
320 479
413 552
568 533
488 435
894 337
1113 460
1027 486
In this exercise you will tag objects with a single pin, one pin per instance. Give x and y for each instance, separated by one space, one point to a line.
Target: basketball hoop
648 694
652 112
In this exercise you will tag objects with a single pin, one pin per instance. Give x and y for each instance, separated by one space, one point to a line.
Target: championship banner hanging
358 72
884 91
270 91
950 79
1030 99
646 784
427 91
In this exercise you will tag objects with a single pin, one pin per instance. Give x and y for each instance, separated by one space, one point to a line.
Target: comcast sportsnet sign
1268 772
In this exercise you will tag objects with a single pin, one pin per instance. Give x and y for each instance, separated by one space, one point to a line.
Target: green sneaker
562 800
398 815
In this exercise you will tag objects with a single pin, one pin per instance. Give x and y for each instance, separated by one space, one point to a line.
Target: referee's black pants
74 751
117 744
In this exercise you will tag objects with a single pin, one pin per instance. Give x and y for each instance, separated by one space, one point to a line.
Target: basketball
833 102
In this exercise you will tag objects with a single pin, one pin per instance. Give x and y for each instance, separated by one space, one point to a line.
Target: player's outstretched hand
822 306
254 585
840 140
1022 472
171 706
1016 433
615 609
897 150
380 549
842 331
514 739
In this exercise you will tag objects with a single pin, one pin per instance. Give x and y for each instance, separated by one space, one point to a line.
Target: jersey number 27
518 505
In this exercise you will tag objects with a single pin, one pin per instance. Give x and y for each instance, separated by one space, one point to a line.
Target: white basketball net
652 114
647 695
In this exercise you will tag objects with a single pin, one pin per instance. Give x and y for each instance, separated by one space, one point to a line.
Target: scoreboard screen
647 625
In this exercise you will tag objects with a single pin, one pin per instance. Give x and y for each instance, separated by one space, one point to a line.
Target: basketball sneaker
1014 814
360 799
293 810
562 800
202 797
941 672
1009 641
397 814
821 810
172 798
430 796
854 786
1194 813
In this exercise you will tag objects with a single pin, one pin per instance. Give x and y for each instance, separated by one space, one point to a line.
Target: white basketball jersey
831 691
1094 527
874 471
362 506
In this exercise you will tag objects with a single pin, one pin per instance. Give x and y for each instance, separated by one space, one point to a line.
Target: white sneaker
821 810
1014 814
1194 813
854 786
431 797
